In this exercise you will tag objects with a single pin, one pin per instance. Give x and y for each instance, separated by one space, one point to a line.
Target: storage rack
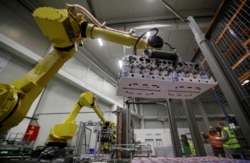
232 39
229 35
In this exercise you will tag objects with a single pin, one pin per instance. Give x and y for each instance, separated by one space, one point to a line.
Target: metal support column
79 140
142 114
203 113
119 131
173 130
195 133
129 124
125 127
231 97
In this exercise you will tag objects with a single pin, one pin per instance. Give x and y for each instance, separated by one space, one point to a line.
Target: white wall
17 23
164 134
86 75
145 135
154 113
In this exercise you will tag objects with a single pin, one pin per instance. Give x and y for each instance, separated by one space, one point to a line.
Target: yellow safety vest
232 141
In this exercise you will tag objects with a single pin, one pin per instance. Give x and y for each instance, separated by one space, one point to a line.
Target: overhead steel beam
166 4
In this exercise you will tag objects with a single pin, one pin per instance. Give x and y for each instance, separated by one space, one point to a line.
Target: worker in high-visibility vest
216 145
230 142
187 146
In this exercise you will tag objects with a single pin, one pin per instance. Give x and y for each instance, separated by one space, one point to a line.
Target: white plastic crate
153 86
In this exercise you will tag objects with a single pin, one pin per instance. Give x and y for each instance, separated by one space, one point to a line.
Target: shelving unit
232 40
229 37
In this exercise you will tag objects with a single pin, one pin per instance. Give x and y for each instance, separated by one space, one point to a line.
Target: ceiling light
128 47
147 35
245 82
100 42
152 26
120 64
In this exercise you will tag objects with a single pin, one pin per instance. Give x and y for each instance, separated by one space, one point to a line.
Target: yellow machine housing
62 132
61 29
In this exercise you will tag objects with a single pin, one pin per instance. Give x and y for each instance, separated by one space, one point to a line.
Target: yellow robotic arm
64 27
61 133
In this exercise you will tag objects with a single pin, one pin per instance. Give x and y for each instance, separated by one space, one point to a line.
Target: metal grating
208 96
231 38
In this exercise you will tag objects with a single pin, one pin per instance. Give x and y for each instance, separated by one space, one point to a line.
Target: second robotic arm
61 133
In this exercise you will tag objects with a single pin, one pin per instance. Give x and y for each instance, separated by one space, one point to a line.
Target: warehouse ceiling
138 15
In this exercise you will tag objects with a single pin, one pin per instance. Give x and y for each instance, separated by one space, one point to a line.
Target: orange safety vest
214 142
